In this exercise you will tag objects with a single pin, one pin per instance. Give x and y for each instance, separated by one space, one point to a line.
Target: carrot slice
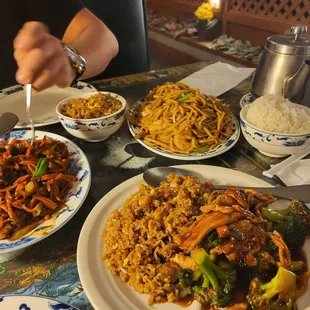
223 231
47 202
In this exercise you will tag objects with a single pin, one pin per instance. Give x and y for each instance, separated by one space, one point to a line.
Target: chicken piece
193 235
265 198
225 248
284 252
237 195
213 195
224 200
185 262
231 196
218 208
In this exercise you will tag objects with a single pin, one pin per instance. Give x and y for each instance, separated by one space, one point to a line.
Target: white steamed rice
277 114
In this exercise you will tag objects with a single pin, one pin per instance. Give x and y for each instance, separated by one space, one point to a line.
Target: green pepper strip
41 167
184 98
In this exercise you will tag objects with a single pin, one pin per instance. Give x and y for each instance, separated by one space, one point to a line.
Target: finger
30 36
36 59
58 72
49 75
19 54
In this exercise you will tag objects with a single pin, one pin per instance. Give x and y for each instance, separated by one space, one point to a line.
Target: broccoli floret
271 247
211 296
292 223
218 289
185 277
200 294
279 293
299 207
264 270
210 283
213 240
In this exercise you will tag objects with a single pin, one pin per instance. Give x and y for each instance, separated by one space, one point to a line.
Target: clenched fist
41 58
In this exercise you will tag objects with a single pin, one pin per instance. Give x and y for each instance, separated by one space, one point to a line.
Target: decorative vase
209 34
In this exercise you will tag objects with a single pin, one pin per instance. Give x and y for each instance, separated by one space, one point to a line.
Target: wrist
72 75
77 62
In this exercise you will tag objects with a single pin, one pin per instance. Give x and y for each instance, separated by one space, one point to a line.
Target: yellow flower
206 6
204 12
209 15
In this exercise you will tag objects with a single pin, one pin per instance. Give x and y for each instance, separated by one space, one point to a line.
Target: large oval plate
106 291
75 198
43 104
20 302
220 149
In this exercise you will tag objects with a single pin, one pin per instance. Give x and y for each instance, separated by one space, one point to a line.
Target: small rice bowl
276 114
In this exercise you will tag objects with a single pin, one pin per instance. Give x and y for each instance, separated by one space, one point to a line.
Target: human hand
41 58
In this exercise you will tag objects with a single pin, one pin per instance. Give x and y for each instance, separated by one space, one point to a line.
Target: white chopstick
287 162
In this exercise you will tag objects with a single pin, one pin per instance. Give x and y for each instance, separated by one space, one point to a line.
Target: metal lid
293 42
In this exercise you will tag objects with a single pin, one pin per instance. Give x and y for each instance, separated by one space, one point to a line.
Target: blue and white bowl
94 129
271 143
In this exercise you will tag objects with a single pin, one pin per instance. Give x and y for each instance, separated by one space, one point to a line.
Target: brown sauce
240 302
302 284
299 255
185 302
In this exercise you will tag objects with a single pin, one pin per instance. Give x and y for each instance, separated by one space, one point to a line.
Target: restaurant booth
252 21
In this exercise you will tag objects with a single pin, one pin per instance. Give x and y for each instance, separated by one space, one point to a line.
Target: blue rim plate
75 198
220 149
20 302
43 104
246 99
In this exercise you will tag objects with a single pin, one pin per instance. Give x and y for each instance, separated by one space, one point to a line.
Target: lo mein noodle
180 119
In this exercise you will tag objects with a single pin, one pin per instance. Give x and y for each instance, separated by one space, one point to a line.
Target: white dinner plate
218 150
20 302
43 104
106 291
75 198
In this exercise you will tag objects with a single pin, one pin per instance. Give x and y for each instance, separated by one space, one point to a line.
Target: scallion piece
185 97
41 167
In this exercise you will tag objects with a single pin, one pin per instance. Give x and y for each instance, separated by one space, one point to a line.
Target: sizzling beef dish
225 249
34 181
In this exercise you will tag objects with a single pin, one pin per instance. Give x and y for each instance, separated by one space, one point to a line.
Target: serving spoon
8 121
156 175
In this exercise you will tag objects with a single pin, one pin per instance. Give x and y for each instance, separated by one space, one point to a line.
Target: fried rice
138 238
94 106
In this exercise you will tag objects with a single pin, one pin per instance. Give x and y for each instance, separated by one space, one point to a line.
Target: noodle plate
180 119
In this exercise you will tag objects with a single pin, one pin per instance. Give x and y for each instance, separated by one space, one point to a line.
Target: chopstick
286 163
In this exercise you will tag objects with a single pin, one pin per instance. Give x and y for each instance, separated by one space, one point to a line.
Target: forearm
96 43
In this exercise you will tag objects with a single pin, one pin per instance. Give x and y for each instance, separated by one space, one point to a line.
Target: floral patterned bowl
94 129
271 143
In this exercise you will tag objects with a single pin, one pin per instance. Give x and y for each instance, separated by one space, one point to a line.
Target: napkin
296 174
218 78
